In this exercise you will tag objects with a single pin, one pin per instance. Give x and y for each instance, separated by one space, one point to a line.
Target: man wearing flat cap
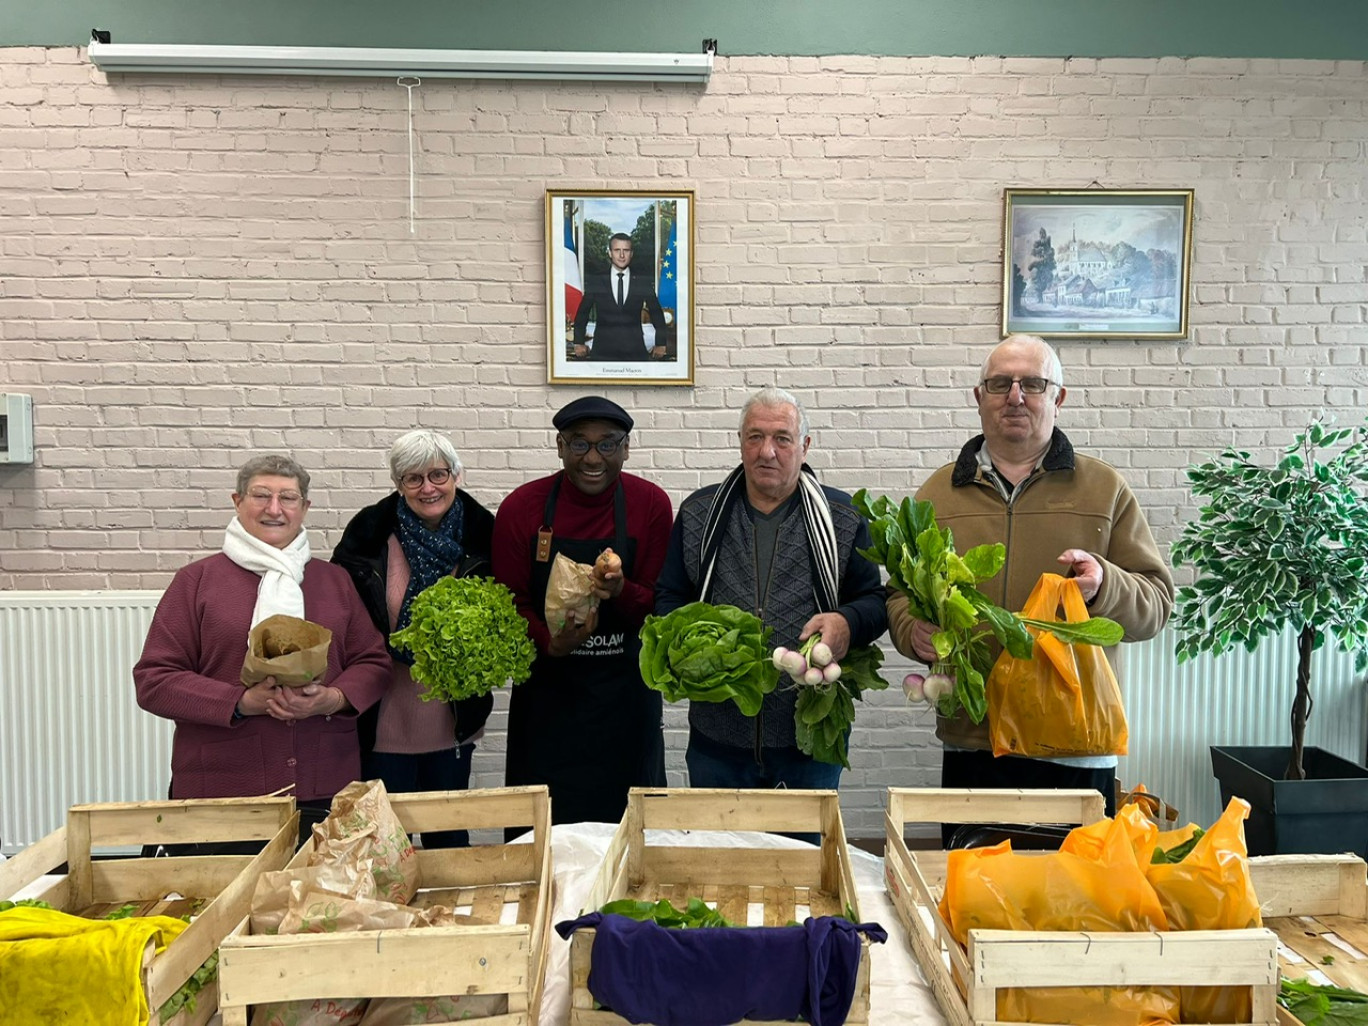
584 724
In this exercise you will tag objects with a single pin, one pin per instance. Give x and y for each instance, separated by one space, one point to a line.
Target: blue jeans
447 770
715 765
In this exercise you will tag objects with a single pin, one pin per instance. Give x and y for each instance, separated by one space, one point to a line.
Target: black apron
584 724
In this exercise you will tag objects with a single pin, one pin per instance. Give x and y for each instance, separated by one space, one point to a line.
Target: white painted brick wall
195 268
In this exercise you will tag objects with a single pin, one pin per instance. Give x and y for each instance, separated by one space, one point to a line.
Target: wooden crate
498 882
219 885
780 884
1016 958
1307 898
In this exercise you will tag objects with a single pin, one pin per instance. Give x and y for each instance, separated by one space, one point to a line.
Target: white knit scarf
281 570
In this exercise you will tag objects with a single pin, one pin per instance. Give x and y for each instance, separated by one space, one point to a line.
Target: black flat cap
591 407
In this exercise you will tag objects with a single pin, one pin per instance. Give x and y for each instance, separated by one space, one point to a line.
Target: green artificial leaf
467 638
708 653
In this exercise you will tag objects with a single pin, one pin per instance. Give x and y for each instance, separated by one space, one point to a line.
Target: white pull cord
409 82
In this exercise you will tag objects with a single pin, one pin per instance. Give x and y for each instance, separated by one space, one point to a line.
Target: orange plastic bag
1063 701
1095 882
1211 890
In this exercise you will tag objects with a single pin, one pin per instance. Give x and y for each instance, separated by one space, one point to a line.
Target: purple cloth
710 976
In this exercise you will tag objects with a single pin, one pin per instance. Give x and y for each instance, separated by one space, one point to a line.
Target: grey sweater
782 595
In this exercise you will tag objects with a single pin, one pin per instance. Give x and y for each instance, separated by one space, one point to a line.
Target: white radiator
70 727
1176 712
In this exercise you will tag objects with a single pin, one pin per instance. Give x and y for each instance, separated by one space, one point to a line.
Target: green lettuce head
467 638
708 653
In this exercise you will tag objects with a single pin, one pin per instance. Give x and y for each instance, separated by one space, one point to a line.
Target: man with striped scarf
771 540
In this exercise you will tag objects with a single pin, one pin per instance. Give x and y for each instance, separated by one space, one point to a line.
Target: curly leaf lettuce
467 638
708 653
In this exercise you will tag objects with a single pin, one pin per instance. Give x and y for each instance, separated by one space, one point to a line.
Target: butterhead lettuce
708 653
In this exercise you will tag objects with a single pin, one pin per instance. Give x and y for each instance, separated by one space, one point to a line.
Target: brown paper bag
362 825
276 890
291 650
570 589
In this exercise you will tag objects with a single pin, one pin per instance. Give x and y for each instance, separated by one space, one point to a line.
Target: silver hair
1054 370
772 396
416 449
274 465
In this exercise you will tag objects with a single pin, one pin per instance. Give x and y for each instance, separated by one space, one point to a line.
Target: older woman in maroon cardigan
232 741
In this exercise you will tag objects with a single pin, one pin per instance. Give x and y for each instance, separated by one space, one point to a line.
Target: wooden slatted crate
753 886
217 889
998 959
1311 901
509 886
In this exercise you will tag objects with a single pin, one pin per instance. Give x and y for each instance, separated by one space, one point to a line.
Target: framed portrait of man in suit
620 285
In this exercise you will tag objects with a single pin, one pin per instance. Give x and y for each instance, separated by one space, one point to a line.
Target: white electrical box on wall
16 428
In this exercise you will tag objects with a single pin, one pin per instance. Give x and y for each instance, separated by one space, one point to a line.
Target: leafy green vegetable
467 638
941 588
6 905
184 998
824 712
1179 851
697 914
708 653
1323 1006
122 912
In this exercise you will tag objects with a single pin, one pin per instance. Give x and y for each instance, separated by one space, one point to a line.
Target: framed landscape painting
1096 263
620 286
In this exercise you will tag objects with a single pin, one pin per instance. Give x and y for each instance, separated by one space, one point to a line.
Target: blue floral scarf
431 556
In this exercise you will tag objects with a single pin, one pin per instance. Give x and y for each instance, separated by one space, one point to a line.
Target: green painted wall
1324 29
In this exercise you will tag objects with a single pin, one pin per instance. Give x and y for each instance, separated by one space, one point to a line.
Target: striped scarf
821 534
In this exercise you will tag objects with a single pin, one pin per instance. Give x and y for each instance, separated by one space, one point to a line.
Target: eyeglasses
287 500
607 447
1002 384
437 476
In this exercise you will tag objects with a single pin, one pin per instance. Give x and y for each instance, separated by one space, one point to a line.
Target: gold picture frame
1096 263
644 335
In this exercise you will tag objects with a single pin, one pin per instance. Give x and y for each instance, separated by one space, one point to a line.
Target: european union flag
667 292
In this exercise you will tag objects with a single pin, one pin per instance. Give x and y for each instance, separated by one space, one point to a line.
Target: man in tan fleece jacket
1022 484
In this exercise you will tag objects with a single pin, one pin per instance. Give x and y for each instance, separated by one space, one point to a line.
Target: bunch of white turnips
931 687
811 664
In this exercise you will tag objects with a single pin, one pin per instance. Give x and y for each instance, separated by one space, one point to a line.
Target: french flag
574 287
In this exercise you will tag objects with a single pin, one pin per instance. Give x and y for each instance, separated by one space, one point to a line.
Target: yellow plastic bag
1095 882
1063 701
1211 890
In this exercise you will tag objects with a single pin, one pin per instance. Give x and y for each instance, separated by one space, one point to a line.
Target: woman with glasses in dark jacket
425 530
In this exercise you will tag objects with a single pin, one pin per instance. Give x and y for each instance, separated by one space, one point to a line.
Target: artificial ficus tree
1279 547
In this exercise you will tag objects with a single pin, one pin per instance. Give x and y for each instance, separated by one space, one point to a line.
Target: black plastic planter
1327 813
